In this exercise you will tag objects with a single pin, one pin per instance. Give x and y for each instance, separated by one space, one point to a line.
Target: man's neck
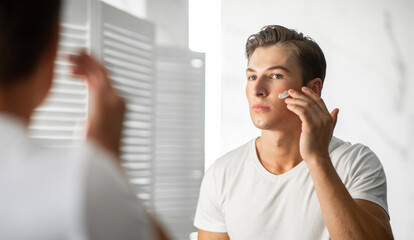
17 100
278 151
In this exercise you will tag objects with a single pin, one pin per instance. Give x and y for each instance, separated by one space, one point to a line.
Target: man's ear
316 85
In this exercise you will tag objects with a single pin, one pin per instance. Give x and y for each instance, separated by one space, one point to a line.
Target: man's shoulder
236 155
351 155
62 164
233 159
81 154
339 146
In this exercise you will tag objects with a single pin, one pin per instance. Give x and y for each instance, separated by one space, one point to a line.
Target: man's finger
306 96
315 97
304 114
85 61
296 94
88 67
306 104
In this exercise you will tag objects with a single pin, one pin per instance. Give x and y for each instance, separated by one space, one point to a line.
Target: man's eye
277 76
252 78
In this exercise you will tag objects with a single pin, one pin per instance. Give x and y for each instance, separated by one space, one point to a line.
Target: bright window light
205 36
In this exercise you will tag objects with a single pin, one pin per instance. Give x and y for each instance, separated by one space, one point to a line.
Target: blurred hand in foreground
106 107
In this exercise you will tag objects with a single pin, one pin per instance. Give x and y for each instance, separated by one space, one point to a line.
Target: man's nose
260 87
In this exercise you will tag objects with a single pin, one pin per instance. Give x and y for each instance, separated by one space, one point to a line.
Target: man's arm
160 234
345 218
204 235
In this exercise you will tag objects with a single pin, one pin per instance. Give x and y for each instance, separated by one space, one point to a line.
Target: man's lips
260 108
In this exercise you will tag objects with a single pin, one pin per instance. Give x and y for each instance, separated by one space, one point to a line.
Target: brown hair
307 51
26 28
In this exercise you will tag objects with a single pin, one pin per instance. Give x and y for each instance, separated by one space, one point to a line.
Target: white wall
370 78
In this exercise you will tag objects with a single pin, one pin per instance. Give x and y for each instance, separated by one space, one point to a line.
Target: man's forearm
344 217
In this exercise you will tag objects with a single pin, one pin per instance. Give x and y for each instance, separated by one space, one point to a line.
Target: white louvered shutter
60 120
125 43
179 138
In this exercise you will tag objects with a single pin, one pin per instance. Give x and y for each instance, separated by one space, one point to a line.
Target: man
59 193
295 181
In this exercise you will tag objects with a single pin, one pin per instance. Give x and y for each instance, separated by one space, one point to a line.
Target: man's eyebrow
270 68
279 67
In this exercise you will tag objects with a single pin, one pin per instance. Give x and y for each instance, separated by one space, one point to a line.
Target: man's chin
261 124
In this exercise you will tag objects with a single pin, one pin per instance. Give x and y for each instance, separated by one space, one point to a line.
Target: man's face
272 70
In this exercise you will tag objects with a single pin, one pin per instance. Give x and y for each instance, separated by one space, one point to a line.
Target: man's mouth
260 108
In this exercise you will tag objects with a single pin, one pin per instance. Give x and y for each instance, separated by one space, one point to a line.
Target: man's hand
106 109
317 123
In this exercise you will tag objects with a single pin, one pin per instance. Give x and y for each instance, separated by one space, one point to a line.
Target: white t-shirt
48 193
240 197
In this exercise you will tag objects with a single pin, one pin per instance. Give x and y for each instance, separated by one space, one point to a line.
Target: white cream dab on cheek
283 95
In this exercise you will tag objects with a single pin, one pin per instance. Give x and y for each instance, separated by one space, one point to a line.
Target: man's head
280 59
29 33
307 52
26 30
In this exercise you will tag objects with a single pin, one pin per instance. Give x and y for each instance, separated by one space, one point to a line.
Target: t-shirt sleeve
112 209
367 177
209 216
